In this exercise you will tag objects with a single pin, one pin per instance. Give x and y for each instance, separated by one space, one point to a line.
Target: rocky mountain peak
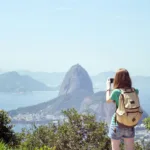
76 79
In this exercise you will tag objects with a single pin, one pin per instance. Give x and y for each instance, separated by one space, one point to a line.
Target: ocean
10 101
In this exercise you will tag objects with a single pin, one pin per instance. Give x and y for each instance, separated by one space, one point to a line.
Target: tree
7 135
146 144
76 132
147 123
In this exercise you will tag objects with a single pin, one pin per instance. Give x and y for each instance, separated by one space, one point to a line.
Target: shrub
7 135
78 132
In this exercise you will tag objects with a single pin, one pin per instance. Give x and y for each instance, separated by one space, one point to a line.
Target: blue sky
52 35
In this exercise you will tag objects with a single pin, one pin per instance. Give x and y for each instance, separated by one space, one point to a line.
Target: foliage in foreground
147 123
7 134
79 132
76 132
6 147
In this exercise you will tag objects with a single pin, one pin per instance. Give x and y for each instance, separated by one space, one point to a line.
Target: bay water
10 101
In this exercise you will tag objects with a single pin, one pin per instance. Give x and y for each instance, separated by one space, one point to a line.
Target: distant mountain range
76 91
99 81
53 79
13 82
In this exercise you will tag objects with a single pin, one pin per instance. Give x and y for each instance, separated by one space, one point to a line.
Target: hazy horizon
30 71
51 36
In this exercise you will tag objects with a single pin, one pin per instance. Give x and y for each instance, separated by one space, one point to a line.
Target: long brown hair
122 79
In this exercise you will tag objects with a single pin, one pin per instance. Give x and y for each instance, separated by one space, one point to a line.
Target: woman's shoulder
136 90
116 91
115 94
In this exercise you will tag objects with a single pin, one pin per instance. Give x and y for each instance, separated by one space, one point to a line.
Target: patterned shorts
118 133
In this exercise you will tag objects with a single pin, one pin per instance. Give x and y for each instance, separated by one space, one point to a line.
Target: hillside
99 83
51 110
13 82
74 93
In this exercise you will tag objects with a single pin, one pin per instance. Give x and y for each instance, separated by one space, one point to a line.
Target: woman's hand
108 84
108 91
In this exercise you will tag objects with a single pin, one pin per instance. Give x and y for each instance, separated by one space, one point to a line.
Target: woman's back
117 132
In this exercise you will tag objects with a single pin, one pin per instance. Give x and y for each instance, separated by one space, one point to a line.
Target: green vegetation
5 147
146 144
76 132
7 135
147 123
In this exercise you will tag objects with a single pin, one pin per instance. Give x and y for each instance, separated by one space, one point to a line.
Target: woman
122 80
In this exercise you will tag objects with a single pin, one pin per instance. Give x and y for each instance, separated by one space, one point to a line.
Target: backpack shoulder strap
131 90
121 94
122 91
134 90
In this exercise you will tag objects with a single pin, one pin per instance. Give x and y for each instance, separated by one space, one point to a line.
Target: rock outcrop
76 79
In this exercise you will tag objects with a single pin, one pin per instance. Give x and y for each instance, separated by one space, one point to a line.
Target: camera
111 80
